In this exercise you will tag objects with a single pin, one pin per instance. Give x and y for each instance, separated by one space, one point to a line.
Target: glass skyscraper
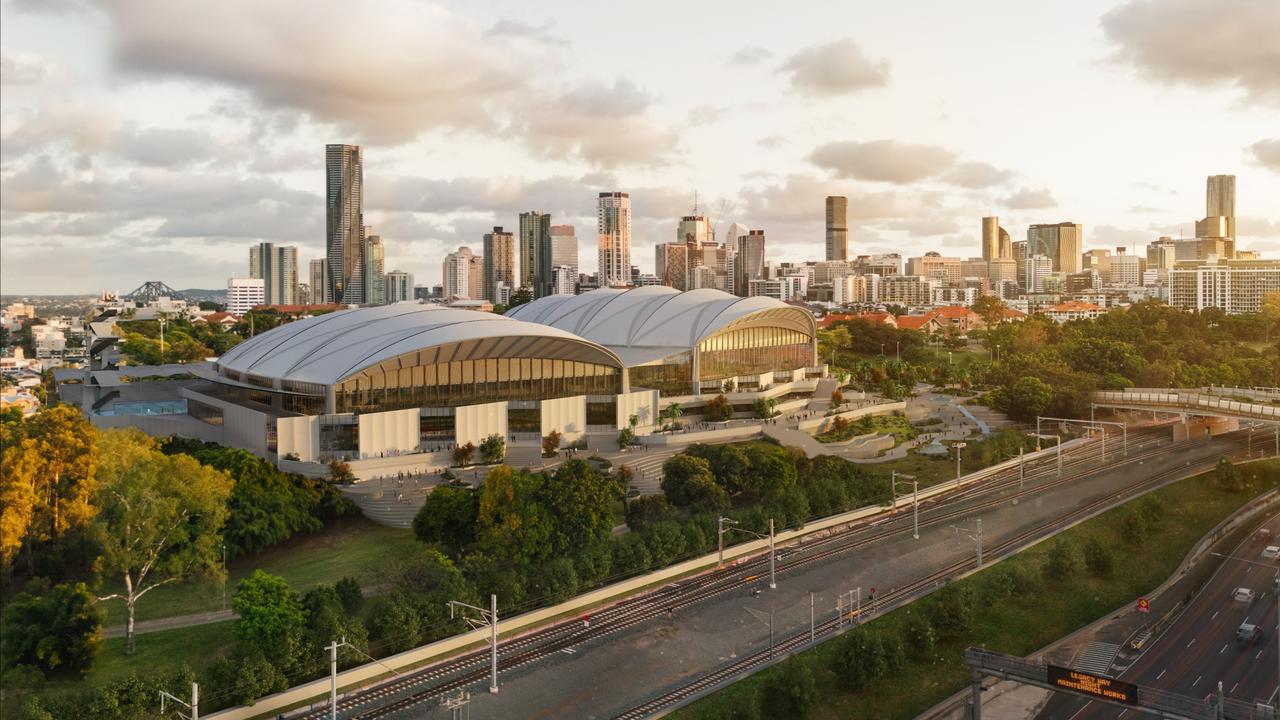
344 223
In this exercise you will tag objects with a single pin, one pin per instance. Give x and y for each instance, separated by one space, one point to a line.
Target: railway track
892 599
407 691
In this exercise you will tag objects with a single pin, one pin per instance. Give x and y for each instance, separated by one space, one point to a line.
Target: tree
1063 560
687 481
837 398
789 690
626 438
520 297
53 629
582 499
951 610
718 409
644 511
463 454
918 635
448 517
991 308
340 473
350 594
1227 477
493 449
272 621
861 658
49 477
511 520
1097 557
327 620
674 411
160 518
551 443
1029 397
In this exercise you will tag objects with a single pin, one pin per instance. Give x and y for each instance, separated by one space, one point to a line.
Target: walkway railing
1194 403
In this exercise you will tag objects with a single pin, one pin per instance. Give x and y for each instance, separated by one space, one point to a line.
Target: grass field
353 548
1018 625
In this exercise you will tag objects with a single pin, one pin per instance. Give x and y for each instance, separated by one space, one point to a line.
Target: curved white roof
329 348
646 323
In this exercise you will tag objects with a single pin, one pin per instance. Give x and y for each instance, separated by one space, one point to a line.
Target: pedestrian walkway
1097 658
170 623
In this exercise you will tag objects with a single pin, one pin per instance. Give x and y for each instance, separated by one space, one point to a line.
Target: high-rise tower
277 266
536 253
613 227
499 262
996 243
837 227
344 223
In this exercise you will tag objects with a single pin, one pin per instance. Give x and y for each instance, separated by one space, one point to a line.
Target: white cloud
1266 153
541 34
978 175
1224 43
883 160
1029 199
836 68
602 125
22 69
750 55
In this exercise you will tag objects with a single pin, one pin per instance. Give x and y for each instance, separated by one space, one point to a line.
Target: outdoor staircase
1097 658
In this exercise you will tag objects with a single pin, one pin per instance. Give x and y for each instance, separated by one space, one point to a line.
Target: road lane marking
1214 615
1224 649
1193 642
1233 688
1162 672
1197 682
1255 657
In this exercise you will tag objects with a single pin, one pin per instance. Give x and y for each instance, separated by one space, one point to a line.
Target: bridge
1204 411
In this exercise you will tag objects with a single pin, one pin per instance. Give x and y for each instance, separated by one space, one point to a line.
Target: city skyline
165 156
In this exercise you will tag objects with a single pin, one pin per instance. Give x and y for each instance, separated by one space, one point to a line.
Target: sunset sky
158 140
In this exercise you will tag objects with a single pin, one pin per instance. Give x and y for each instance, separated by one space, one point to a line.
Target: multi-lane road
1199 649
647 652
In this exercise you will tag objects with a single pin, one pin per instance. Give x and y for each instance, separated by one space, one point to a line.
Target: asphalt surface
1199 649
608 674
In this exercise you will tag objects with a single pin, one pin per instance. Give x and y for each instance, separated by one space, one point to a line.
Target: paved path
170 623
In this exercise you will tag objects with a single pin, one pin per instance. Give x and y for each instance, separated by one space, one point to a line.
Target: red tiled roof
915 322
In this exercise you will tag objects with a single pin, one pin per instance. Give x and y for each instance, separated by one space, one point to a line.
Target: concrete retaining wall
817 426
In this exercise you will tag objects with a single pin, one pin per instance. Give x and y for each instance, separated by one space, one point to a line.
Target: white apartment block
1236 286
244 294
909 290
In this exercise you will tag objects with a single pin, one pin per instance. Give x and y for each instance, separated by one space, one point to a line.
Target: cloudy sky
160 139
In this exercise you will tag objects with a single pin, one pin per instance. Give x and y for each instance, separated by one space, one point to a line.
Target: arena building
389 387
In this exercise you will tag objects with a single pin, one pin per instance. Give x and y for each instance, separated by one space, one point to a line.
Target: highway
1199 649
659 644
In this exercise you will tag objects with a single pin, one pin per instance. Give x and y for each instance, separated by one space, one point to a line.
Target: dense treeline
91 516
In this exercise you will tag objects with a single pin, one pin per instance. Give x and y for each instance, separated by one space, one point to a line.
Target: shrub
550 444
951 610
718 409
790 690
52 629
463 454
837 398
1133 527
493 449
918 635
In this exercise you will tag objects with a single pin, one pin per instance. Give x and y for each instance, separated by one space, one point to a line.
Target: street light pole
333 676
958 447
491 617
1022 470
915 500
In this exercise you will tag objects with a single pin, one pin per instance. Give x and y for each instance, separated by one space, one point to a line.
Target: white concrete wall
388 433
241 427
820 425
300 436
641 403
474 423
568 416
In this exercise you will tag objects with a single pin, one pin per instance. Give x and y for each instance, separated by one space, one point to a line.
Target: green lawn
895 425
1020 624
353 547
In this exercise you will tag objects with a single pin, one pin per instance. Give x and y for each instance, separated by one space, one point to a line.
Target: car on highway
1247 634
1271 552
1243 595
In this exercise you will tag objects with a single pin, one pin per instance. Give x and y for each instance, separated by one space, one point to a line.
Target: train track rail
393 696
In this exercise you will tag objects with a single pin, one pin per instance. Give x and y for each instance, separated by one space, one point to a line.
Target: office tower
671 265
613 227
319 280
457 276
277 267
344 223
1236 286
996 242
1062 243
749 261
1216 236
1001 270
694 232
566 280
374 266
1098 260
399 286
946 270
499 262
837 227
535 253
1220 202
475 276
244 294
1038 268
564 248
1161 255
1124 270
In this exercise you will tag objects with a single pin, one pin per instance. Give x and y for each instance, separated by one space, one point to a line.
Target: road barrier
359 677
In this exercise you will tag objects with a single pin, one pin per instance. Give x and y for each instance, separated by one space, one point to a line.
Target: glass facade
339 435
470 382
751 351
673 376
204 412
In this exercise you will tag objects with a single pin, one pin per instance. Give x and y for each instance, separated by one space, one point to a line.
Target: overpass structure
1204 411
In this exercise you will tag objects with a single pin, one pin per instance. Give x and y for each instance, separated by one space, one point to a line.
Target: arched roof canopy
648 323
328 349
